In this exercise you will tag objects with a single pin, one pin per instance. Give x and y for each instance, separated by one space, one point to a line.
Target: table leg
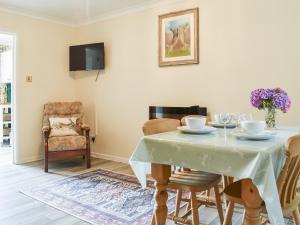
160 173
253 203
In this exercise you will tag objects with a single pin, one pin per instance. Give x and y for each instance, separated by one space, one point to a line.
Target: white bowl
195 123
253 127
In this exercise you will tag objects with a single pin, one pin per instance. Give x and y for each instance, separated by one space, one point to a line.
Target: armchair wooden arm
45 128
86 132
85 127
46 131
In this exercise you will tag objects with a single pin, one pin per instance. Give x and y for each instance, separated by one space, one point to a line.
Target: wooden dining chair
286 185
189 181
226 180
206 196
183 122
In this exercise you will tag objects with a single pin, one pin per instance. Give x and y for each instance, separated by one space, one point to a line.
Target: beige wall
43 53
243 45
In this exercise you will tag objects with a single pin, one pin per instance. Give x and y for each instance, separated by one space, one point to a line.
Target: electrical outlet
29 78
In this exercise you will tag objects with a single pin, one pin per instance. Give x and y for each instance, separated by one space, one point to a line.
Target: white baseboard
29 159
110 157
93 154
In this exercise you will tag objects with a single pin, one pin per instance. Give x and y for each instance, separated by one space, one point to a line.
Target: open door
7 52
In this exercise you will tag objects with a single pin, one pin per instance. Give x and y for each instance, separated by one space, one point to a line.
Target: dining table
256 163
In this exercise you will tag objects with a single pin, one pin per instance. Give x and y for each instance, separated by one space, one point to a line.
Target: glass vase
270 118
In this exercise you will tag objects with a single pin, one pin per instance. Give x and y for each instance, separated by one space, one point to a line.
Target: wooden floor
18 209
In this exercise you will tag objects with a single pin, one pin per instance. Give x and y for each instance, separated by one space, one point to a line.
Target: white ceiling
75 12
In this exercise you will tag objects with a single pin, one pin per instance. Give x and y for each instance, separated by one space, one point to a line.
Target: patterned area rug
101 197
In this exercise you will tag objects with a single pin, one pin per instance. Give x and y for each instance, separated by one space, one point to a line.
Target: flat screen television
87 57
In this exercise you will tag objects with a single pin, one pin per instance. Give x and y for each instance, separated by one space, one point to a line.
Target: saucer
204 130
221 125
264 135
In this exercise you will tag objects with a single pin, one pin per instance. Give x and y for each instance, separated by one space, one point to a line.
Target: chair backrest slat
296 180
160 125
293 182
287 180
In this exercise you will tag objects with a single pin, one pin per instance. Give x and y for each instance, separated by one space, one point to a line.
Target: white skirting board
29 159
93 154
109 157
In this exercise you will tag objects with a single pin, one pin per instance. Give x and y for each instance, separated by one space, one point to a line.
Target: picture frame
179 38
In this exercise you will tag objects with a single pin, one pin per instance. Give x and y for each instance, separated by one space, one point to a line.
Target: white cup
195 123
252 126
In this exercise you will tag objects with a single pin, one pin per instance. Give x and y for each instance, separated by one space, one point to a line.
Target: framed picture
179 38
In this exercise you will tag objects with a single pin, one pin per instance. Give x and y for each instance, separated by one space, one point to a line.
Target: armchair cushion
63 126
64 110
66 143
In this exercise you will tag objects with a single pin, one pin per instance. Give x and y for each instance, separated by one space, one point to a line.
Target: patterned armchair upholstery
65 146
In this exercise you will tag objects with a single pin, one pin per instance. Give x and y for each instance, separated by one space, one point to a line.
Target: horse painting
179 38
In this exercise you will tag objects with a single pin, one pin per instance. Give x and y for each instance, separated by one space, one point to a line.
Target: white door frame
13 97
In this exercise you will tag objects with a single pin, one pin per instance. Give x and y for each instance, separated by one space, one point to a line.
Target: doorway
7 64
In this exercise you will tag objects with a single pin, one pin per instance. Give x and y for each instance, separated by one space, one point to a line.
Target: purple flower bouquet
270 100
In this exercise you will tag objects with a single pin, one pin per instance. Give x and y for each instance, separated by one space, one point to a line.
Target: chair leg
194 203
296 216
188 206
178 201
88 161
46 163
207 195
229 213
88 150
153 220
219 203
226 182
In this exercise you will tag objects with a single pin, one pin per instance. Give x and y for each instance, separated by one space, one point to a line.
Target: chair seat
65 143
195 179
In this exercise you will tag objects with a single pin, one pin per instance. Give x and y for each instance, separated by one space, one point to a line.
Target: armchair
69 145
